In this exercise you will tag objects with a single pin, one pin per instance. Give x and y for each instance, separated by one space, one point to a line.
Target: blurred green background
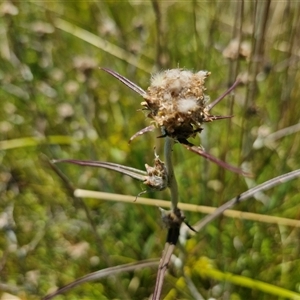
56 103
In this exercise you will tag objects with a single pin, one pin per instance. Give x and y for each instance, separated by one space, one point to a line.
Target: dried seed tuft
177 103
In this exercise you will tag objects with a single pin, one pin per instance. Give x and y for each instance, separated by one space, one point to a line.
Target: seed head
157 175
177 102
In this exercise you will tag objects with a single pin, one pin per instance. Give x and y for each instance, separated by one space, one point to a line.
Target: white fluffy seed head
176 101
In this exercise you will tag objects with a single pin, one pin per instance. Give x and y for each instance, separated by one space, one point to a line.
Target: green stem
172 183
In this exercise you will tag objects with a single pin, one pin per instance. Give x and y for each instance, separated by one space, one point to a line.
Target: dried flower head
177 102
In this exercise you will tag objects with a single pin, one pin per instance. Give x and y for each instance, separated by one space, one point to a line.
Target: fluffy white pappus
186 105
176 79
175 85
173 73
186 77
202 74
158 79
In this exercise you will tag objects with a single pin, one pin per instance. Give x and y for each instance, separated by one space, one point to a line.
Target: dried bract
172 218
157 176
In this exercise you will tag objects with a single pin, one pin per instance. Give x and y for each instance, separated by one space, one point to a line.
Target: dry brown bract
157 176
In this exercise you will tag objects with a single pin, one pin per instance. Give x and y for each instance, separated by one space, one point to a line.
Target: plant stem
172 183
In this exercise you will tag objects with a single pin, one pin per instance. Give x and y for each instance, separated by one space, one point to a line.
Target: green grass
57 103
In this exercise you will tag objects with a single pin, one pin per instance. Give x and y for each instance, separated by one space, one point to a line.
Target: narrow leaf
214 103
219 162
132 172
141 132
104 273
246 195
126 81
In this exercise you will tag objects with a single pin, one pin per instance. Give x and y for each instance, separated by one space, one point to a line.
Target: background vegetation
56 103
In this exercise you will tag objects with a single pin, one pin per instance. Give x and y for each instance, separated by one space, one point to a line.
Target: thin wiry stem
188 207
173 220
161 53
169 142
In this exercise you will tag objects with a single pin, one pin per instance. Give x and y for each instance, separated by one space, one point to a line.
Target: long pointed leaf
104 273
132 172
215 102
246 195
126 81
217 161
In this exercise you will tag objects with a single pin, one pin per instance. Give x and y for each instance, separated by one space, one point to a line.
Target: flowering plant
177 104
